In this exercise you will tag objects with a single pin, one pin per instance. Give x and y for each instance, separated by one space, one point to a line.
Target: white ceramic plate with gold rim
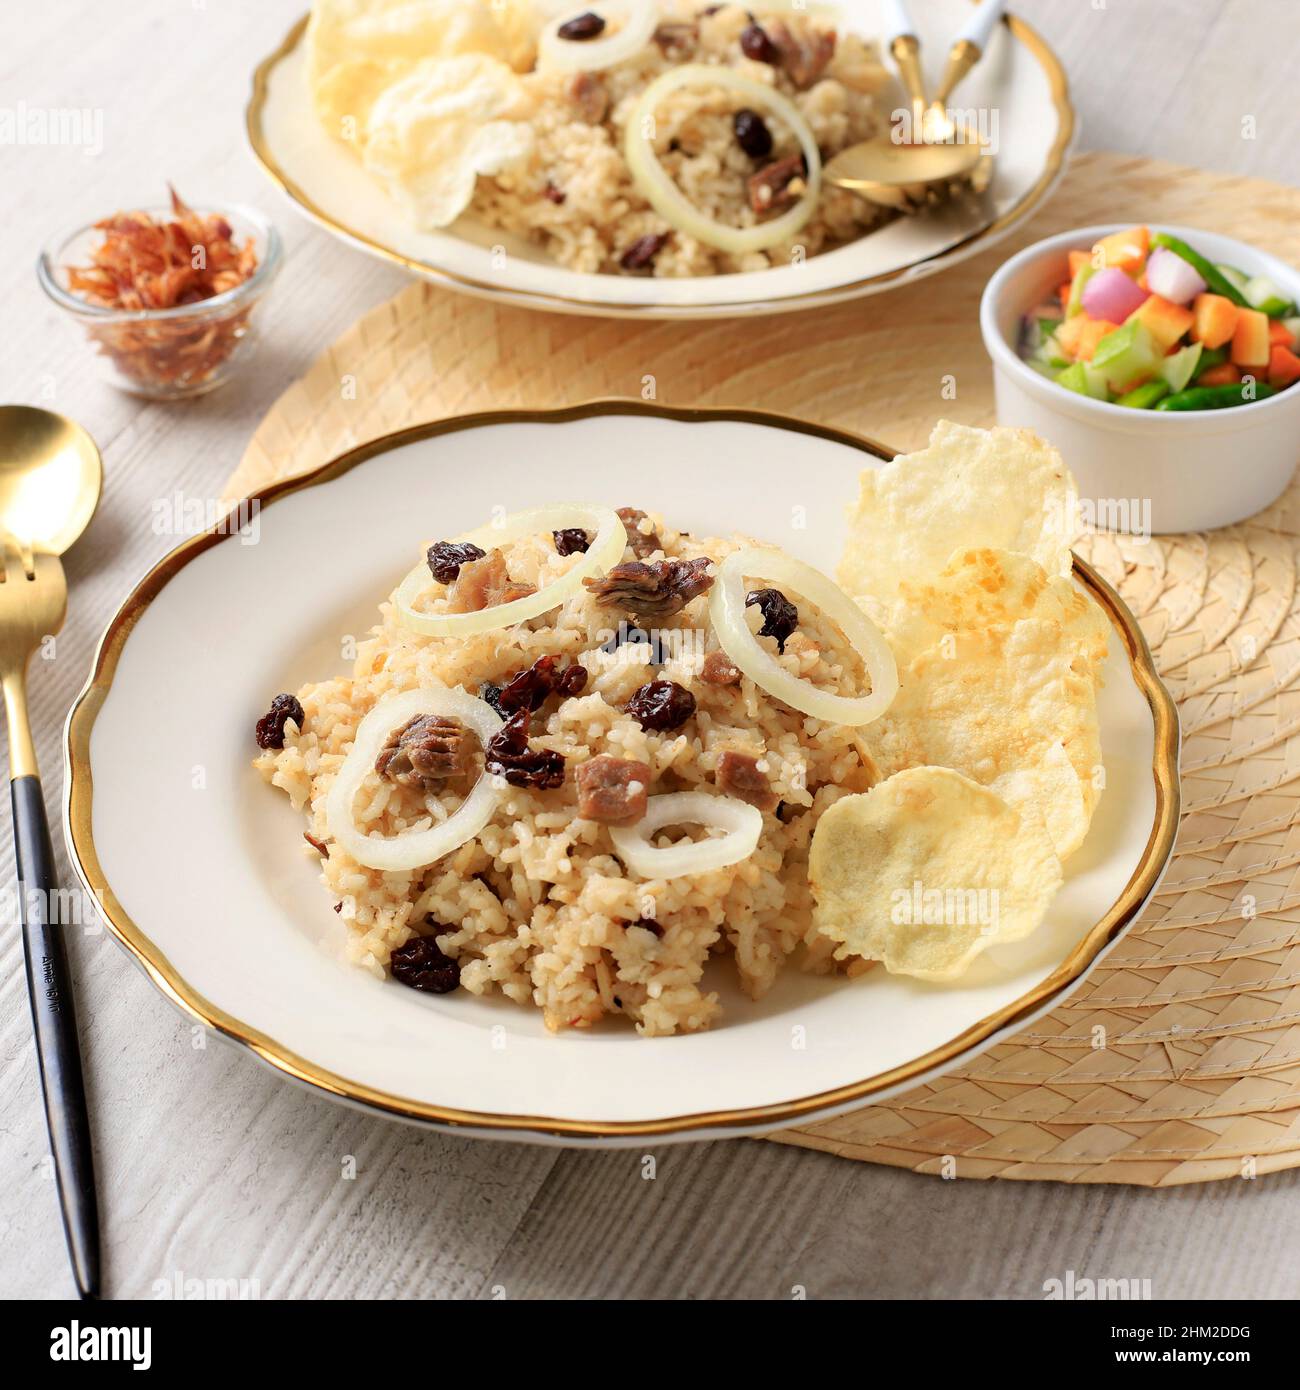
200 867
1017 95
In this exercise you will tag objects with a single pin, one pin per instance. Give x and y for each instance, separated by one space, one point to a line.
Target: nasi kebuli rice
584 750
651 137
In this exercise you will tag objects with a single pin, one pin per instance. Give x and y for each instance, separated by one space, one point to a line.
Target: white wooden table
210 1166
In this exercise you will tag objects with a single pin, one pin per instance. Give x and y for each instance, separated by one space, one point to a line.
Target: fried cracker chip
927 870
992 703
1001 489
986 589
358 48
1051 790
432 134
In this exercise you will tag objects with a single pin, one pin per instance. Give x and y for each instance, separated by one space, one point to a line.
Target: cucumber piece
1179 368
1130 353
1074 305
1051 351
1084 380
1292 326
1097 385
1236 278
1145 396
1262 294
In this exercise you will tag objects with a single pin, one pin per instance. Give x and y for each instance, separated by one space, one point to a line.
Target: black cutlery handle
54 1020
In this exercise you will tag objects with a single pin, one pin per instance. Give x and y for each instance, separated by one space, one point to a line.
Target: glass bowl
167 354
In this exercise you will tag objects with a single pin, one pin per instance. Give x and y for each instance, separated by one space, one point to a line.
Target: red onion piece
1112 295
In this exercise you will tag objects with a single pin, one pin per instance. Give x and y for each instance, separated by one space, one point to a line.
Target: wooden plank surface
210 1167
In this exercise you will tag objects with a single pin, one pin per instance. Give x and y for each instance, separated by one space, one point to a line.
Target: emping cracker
927 870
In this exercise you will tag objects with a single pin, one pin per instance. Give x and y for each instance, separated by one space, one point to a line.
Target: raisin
638 636
319 846
661 706
572 541
446 557
421 964
509 756
270 727
780 616
649 924
555 195
752 134
529 689
583 27
755 44
640 255
491 694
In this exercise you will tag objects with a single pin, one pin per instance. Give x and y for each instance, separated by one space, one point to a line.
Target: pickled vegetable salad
1146 321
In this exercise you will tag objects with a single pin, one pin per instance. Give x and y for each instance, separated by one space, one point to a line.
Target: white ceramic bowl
1143 470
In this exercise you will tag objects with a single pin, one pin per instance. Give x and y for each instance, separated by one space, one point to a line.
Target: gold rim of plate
81 843
1066 124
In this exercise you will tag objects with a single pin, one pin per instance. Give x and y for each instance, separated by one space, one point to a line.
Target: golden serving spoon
936 159
50 480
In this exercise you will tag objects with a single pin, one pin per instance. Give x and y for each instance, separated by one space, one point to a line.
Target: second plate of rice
451 140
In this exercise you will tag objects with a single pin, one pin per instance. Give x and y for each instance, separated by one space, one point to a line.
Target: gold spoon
933 163
50 481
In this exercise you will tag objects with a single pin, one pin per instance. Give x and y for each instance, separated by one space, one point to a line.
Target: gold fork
50 478
33 603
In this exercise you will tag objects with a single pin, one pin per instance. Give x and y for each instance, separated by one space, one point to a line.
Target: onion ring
604 552
727 613
743 823
413 849
594 55
671 203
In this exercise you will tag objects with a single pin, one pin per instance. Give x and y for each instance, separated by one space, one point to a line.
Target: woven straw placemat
1178 1059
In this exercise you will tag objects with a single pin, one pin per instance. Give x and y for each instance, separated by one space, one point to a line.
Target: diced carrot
1134 384
1225 374
1283 366
1278 332
1069 333
1250 343
1167 322
1078 258
1063 293
1214 319
1126 250
1094 330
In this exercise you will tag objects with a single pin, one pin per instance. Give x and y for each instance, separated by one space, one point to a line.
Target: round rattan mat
1178 1059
